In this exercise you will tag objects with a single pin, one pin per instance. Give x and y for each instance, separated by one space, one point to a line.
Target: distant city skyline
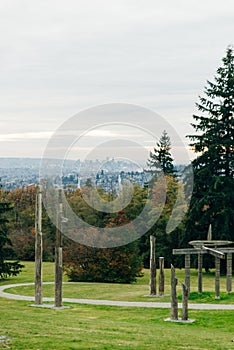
58 59
25 172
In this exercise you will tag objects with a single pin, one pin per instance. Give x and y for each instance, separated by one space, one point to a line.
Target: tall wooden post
152 266
229 273
58 254
38 247
185 294
209 234
161 276
174 298
187 272
217 278
200 273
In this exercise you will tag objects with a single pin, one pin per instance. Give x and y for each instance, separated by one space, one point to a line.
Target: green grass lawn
105 327
125 292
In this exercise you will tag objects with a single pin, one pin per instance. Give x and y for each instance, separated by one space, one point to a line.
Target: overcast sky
61 57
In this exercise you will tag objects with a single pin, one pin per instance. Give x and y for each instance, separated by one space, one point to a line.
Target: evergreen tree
160 160
7 268
213 196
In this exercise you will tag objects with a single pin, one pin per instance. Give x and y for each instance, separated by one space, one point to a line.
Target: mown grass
125 292
104 327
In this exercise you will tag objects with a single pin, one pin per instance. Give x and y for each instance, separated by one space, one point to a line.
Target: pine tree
160 160
7 268
213 196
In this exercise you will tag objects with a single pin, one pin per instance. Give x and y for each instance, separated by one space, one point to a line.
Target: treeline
121 264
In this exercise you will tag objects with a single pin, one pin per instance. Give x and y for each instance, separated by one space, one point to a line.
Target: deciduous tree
122 264
7 268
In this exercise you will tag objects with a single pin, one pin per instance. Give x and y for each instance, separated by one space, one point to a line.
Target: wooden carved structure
213 247
153 271
152 266
38 248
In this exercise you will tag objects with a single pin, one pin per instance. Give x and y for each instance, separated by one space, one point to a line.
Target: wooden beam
226 250
214 252
187 251
212 243
203 250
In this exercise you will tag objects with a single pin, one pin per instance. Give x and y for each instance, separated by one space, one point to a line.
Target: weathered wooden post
209 234
58 254
174 299
187 272
217 278
38 247
161 276
200 273
152 266
229 273
185 295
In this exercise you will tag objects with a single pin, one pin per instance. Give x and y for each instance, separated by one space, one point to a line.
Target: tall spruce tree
213 196
7 268
160 159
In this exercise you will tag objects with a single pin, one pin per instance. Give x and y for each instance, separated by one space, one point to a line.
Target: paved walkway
159 305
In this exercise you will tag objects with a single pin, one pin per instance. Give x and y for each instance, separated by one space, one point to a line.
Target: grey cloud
58 58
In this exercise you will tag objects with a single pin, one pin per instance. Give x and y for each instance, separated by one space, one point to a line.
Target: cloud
25 136
58 58
102 133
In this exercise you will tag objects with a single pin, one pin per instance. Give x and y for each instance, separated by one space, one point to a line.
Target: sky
60 58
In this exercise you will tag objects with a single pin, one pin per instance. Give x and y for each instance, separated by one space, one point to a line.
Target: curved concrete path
159 305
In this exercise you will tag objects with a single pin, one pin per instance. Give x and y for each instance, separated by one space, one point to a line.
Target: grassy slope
100 327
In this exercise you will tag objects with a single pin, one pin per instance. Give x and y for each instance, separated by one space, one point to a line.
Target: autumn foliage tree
7 268
164 194
120 265
21 228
